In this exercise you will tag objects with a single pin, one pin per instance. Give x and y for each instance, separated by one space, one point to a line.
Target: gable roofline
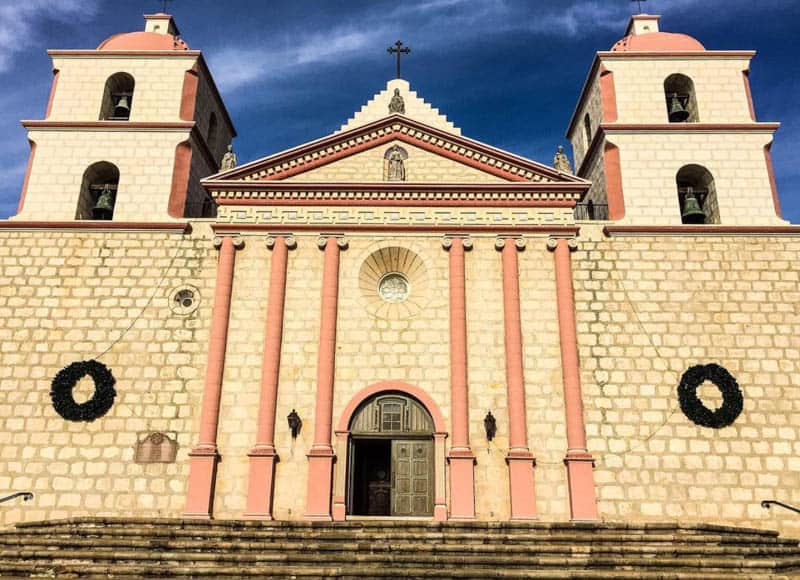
390 128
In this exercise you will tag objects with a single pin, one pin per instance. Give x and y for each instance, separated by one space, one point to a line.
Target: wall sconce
294 423
490 424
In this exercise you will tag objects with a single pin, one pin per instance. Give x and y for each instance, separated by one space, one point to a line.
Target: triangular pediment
360 155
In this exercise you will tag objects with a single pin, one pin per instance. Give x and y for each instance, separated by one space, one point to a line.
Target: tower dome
160 33
643 35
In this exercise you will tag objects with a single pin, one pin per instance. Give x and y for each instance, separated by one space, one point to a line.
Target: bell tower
666 131
130 130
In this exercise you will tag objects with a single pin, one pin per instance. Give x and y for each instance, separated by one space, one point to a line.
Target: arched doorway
390 469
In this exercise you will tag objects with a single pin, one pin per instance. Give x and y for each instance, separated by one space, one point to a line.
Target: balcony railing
591 211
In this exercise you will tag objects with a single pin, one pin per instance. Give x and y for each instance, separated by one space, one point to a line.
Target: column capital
500 242
341 241
552 243
289 240
238 241
447 241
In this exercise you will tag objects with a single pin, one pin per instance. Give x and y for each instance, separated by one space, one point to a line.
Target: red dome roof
143 41
657 42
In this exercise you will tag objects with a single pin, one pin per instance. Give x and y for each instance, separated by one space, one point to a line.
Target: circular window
394 283
184 300
394 287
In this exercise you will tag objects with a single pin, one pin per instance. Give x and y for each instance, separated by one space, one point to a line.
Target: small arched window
118 98
587 126
681 99
98 194
212 132
697 196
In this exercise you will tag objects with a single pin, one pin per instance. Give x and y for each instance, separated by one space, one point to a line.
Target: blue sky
508 72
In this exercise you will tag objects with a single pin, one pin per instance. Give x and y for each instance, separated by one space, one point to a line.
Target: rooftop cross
639 2
400 50
164 5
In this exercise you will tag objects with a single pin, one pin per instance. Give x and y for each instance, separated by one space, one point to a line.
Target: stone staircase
163 548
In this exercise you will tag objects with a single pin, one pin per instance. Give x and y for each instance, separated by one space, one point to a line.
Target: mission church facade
396 320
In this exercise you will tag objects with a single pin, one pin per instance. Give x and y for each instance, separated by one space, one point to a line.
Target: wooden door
412 477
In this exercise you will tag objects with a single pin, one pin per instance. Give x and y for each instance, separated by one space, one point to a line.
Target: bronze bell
123 108
677 112
692 212
104 208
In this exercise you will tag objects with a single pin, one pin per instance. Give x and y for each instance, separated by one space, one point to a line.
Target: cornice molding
494 231
116 125
706 230
96 226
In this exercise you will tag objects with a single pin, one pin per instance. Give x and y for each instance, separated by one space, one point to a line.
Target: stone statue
561 161
397 104
228 160
397 170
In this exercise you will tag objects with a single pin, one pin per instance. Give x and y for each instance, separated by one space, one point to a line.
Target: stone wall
69 296
648 309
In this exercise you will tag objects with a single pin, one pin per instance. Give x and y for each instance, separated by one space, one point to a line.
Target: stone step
432 561
333 534
63 572
518 549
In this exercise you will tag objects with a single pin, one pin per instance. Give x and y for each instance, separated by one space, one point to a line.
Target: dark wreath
65 381
693 407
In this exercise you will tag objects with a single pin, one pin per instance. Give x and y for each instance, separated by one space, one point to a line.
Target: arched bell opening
681 99
98 195
697 196
391 455
118 98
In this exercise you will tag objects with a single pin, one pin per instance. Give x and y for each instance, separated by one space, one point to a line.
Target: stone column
460 457
205 455
519 459
580 464
263 456
321 455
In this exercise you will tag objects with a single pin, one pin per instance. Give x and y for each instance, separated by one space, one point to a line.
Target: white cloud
20 20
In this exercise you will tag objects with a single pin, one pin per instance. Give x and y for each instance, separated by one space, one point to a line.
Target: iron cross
400 50
640 4
164 5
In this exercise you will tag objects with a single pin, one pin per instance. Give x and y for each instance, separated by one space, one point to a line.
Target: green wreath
693 407
64 382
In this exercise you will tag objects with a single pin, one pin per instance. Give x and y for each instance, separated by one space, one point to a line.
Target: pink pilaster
203 458
321 455
519 459
263 456
460 457
580 464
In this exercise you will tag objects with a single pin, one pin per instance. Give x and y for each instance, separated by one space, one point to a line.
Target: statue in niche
561 161
397 104
228 160
394 164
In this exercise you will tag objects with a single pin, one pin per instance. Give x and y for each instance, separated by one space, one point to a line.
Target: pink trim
204 457
582 498
776 202
608 95
410 390
125 52
670 54
708 230
320 457
690 127
173 227
613 171
189 94
749 93
462 461
27 178
53 88
394 125
382 228
181 169
263 455
520 460
102 125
